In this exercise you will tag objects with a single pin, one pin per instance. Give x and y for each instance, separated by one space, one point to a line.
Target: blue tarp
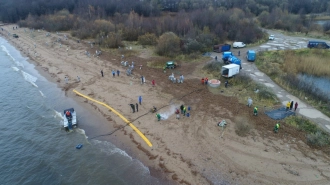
280 113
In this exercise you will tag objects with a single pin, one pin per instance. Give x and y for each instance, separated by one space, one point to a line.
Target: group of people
289 106
113 73
204 80
136 106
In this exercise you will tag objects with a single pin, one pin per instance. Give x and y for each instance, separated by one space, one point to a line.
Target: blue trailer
226 55
221 48
235 60
251 55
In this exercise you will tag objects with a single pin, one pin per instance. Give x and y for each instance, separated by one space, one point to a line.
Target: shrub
213 67
242 128
112 40
241 79
265 92
168 44
318 139
192 46
148 39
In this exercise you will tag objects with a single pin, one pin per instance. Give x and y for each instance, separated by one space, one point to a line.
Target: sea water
35 149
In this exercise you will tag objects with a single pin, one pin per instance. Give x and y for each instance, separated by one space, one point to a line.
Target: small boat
79 146
69 119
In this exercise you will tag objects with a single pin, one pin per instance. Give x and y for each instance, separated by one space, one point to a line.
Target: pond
320 83
322 22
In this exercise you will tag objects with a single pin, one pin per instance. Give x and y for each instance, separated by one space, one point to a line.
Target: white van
238 45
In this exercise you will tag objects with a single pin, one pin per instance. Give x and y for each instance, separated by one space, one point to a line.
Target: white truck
230 70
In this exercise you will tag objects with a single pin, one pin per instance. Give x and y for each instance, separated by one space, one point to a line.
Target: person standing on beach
78 78
153 82
140 100
113 73
291 105
66 79
133 107
181 108
137 107
295 106
118 72
102 72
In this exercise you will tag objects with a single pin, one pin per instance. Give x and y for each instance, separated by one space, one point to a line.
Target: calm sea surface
34 148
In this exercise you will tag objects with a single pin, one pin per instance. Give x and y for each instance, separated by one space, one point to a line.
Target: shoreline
191 150
120 139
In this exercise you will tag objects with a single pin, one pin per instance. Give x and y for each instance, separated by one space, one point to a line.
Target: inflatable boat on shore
69 119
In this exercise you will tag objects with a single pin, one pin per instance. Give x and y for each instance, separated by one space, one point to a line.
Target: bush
265 92
168 44
241 79
242 128
192 46
148 39
213 66
318 139
112 40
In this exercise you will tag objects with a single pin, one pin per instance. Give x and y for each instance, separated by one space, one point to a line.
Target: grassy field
283 67
240 86
311 34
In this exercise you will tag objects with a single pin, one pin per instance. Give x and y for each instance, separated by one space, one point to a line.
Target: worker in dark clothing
102 73
133 107
291 105
181 108
226 83
137 107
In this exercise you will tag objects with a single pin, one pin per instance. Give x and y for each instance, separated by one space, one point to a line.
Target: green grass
278 64
240 86
309 61
316 136
310 34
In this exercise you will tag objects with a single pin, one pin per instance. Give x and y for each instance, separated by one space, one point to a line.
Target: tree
168 44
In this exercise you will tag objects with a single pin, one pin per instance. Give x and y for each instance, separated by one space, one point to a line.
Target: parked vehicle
230 70
235 60
226 55
171 65
318 44
221 48
239 45
271 37
15 35
251 55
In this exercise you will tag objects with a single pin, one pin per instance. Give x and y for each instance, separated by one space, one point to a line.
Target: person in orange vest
68 114
202 81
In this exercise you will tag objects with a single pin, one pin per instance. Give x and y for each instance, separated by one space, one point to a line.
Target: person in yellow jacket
288 106
277 126
255 111
184 111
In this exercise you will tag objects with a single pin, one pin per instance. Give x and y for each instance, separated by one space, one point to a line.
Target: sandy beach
189 150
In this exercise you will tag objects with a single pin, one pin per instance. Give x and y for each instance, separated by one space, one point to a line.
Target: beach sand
191 150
